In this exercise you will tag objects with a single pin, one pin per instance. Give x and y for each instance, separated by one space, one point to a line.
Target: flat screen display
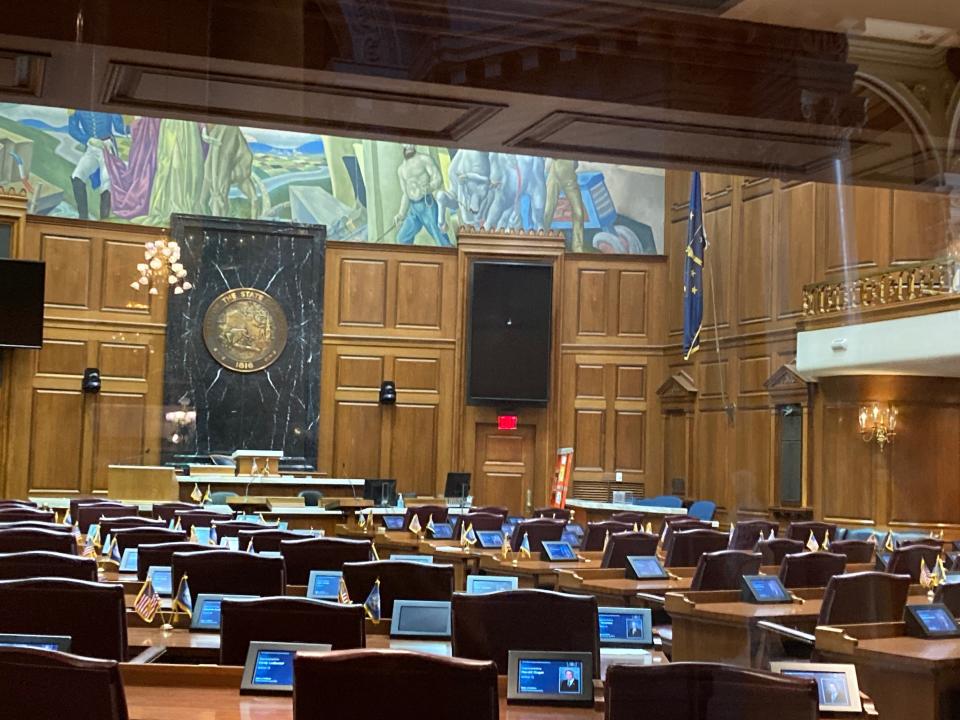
21 303
549 677
936 619
422 559
837 688
323 585
207 609
39 642
382 491
393 522
128 563
645 567
274 668
162 578
442 531
490 539
230 543
203 534
557 550
510 315
765 589
429 618
480 584
571 538
625 626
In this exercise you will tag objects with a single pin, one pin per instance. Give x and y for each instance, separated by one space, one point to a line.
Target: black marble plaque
276 408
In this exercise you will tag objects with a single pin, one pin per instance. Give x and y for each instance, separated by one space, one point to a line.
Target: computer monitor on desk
381 491
457 487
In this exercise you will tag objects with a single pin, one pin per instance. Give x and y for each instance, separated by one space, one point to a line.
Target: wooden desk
908 678
537 573
717 627
172 692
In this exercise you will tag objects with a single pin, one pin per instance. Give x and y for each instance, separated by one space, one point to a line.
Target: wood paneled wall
767 240
60 439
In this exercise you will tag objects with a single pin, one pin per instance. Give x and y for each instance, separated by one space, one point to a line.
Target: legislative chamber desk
908 678
538 573
717 627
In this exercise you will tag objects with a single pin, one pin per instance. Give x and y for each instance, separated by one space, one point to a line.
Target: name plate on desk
763 590
930 621
269 667
837 685
550 677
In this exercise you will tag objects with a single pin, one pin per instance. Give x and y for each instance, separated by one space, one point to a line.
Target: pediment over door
679 388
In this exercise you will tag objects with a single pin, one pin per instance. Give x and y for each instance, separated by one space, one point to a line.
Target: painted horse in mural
229 162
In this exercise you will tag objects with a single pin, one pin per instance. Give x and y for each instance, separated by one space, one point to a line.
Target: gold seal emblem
245 330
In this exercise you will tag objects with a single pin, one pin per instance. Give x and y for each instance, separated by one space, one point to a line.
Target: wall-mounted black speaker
508 356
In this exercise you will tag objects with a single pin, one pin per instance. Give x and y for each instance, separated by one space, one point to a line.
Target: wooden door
676 452
505 467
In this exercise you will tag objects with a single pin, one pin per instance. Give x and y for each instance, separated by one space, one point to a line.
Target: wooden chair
287 619
392 682
45 684
112 524
267 539
232 528
17 514
302 556
811 569
398 579
624 544
537 530
552 512
89 514
773 551
229 572
746 534
597 532
907 560
801 531
168 511
706 691
18 539
488 626
723 569
92 614
424 513
856 551
479 521
687 546
200 518
136 536
161 554
35 564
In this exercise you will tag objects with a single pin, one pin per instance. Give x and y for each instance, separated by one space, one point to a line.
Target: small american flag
147 603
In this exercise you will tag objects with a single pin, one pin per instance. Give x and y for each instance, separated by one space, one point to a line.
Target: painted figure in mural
562 176
229 162
420 179
95 131
132 181
490 189
179 179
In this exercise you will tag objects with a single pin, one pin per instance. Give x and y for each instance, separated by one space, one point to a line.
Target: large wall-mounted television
511 310
21 303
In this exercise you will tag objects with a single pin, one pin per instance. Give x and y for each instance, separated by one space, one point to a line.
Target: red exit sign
506 422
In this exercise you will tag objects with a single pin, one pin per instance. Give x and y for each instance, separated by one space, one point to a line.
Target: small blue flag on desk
693 272
372 603
183 602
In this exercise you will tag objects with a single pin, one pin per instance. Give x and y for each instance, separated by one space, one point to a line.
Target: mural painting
100 166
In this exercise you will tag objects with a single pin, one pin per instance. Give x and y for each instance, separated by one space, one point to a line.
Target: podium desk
908 678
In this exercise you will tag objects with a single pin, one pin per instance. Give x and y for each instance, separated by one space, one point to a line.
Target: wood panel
363 293
856 229
848 481
921 226
56 460
356 439
68 262
795 247
504 466
413 446
755 252
120 434
752 474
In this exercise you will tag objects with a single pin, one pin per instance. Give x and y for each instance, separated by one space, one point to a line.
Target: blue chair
702 510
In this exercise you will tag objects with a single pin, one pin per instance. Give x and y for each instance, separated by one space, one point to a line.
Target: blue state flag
693 272
183 602
372 603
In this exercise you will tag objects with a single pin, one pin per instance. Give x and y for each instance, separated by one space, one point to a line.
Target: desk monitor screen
206 610
930 621
269 666
513 520
422 559
93 530
442 531
558 551
380 491
457 486
324 584
420 618
162 578
230 543
393 522
645 567
203 534
560 677
837 685
625 627
570 538
481 584
39 642
883 559
953 577
490 539
763 589
128 563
